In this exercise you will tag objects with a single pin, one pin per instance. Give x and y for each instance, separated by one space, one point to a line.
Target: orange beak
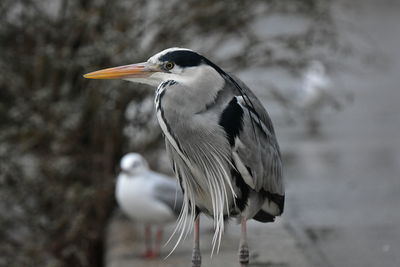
139 70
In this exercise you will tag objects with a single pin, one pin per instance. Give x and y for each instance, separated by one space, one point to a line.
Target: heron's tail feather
264 217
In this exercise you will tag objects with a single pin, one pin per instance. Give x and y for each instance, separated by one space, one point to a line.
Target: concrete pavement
343 186
274 245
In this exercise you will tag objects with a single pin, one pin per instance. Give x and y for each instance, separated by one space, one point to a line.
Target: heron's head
133 163
179 64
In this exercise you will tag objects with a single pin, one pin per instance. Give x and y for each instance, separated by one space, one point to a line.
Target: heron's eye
169 65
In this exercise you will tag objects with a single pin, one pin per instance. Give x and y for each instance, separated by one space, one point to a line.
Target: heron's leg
196 255
243 247
159 237
147 240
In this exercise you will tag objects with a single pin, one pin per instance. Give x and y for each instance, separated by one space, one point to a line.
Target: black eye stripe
183 58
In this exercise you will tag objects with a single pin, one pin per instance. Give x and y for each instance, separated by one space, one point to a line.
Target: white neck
197 87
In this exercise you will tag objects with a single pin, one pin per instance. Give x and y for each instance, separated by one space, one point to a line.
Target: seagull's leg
147 240
159 237
243 247
196 256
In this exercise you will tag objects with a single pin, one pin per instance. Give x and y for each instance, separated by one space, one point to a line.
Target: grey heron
147 197
220 140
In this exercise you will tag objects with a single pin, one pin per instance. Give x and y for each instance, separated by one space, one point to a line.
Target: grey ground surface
271 245
343 187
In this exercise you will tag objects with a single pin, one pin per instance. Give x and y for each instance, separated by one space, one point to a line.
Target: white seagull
147 197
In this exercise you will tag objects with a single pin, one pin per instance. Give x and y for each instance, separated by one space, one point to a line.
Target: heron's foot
244 255
196 258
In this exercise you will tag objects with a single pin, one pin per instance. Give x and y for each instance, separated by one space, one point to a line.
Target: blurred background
327 72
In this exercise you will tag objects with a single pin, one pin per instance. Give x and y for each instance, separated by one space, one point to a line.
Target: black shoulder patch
232 120
183 58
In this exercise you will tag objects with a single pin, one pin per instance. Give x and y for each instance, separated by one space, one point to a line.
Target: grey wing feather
168 191
258 135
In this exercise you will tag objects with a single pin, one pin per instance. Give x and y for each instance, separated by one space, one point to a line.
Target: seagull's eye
169 65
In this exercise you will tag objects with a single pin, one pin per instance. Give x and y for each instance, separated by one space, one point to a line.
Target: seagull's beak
139 70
